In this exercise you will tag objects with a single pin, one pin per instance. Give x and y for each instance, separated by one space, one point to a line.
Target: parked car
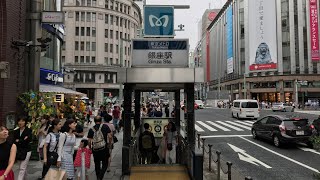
282 107
245 108
282 129
199 103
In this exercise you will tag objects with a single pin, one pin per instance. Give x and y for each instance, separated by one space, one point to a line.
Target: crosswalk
213 126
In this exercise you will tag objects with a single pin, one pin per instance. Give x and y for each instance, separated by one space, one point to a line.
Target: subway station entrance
180 82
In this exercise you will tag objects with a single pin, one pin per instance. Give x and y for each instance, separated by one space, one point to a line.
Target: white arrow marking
309 150
246 157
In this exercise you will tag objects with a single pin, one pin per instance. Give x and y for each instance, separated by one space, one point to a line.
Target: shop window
93 48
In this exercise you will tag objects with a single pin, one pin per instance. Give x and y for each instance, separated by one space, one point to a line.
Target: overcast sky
189 17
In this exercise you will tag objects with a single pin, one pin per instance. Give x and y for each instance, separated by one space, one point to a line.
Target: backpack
98 141
146 141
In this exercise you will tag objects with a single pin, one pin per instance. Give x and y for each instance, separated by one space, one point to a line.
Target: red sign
212 15
255 67
314 31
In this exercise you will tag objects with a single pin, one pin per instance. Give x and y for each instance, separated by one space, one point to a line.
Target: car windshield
296 123
249 105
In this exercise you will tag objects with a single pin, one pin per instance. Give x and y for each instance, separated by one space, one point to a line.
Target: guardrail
207 149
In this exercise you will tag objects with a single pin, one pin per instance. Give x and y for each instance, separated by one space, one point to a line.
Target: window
121 22
273 120
125 51
93 17
128 24
117 21
82 16
82 59
77 16
77 31
93 32
120 35
117 34
125 35
125 63
106 5
93 48
82 31
106 18
264 120
105 60
128 63
76 59
129 9
117 6
111 34
125 23
94 2
106 32
111 19
88 17
83 2
128 36
87 59
82 46
93 59
105 47
111 48
88 2
111 61
249 105
117 49
125 9
77 3
88 31
128 51
111 5
76 45
120 7
88 46
117 61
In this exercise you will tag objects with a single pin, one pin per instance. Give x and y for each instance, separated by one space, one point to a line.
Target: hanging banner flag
262 31
229 32
314 31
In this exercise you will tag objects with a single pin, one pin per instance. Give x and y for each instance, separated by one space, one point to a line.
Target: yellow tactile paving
159 172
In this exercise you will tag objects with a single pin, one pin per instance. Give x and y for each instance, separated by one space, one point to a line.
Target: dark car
283 130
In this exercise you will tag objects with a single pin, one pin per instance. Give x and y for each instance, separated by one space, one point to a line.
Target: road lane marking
247 158
226 136
218 126
245 123
230 126
283 156
206 126
309 150
199 129
251 122
239 125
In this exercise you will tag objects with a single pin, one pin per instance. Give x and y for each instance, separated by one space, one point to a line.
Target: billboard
262 35
160 52
229 29
314 31
158 21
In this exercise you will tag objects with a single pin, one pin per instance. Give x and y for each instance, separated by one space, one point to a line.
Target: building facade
97 45
265 50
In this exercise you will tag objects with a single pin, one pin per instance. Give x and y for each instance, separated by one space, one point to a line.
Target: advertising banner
229 32
314 31
157 125
262 35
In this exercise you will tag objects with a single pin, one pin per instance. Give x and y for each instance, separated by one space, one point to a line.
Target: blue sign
50 77
158 21
229 32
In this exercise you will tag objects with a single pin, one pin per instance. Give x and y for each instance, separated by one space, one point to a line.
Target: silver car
285 107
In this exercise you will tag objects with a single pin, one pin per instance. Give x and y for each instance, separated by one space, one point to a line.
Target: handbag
52 157
56 174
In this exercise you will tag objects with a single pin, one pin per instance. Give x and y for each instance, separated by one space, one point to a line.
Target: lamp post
122 65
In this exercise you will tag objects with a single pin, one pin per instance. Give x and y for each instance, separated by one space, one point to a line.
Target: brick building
12 27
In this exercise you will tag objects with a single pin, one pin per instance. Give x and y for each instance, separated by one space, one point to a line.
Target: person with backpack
99 136
116 114
146 144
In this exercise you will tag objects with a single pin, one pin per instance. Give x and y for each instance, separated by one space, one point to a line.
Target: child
87 154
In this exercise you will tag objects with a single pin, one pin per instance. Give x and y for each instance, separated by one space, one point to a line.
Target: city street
256 158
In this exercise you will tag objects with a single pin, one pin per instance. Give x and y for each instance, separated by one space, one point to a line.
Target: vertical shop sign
314 31
229 32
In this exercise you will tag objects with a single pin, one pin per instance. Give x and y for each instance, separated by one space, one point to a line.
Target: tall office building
97 44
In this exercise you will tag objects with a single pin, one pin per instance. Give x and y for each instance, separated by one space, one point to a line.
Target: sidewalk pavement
308 112
34 168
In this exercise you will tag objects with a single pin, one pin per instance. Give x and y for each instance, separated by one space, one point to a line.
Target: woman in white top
172 141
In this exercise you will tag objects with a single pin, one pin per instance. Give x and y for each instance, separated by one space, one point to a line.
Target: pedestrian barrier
207 150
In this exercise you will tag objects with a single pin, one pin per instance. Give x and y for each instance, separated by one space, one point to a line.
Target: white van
245 108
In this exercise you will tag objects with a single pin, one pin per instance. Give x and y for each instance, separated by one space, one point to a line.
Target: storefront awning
59 89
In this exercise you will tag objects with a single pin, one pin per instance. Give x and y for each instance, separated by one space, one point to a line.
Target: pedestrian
50 147
113 132
83 148
171 142
166 110
42 133
67 141
79 135
98 137
22 139
146 144
116 114
7 155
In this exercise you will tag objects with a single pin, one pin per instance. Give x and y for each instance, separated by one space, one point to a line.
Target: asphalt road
256 158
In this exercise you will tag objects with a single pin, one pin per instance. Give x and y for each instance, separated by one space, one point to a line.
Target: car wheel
276 141
254 134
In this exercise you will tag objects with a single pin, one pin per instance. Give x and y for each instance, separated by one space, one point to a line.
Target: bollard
218 164
210 156
199 140
203 140
248 178
229 169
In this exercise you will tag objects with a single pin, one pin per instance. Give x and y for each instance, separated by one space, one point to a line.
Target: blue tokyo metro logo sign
158 21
